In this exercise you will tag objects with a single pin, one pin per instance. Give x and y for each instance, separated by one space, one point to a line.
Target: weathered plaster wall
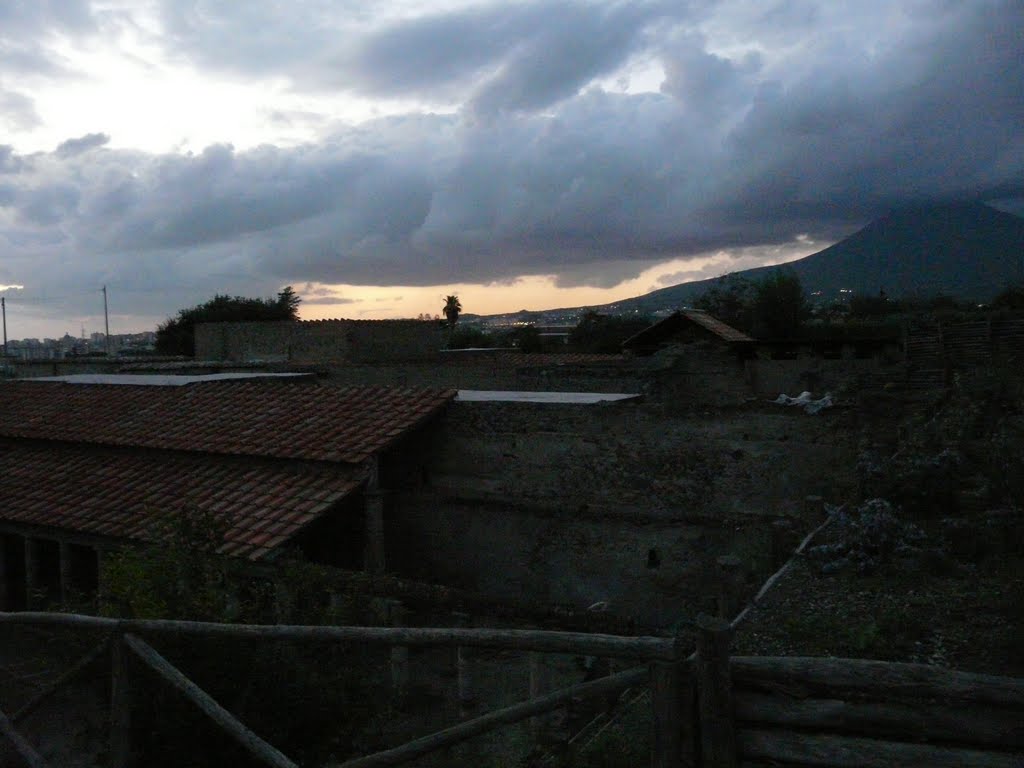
319 341
479 375
622 503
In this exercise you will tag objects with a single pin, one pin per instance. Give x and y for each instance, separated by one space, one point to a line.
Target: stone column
399 654
4 605
373 559
66 583
31 572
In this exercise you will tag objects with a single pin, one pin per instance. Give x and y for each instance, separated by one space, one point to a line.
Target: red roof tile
65 486
714 325
283 420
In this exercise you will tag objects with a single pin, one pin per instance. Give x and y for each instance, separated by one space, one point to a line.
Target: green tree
780 304
288 302
604 333
176 335
452 308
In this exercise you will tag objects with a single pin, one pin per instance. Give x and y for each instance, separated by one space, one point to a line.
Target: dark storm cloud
72 147
507 56
773 120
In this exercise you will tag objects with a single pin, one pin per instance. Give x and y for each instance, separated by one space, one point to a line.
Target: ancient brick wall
320 341
580 504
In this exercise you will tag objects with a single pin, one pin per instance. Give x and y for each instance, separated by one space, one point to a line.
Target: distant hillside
965 250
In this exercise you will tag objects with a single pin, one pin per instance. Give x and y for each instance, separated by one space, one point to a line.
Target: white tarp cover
504 396
806 401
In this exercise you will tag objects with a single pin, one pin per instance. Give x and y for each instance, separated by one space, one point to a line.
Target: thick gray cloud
72 147
505 56
18 111
773 119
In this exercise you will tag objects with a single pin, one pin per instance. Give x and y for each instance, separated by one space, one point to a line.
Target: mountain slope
966 250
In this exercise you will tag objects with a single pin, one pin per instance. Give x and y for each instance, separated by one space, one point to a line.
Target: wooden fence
707 709
664 668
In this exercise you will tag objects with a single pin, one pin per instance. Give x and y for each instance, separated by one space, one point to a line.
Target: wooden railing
706 708
664 668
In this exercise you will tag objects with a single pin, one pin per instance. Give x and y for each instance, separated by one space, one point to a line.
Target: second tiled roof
294 421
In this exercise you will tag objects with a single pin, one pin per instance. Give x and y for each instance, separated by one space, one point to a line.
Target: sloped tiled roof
126 494
665 328
281 420
716 326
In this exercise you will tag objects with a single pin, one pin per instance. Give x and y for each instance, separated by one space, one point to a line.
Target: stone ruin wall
617 503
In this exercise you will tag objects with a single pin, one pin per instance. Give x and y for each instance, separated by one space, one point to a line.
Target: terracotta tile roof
282 420
667 327
126 494
716 326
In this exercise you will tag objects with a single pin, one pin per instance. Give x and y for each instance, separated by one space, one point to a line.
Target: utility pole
3 307
106 322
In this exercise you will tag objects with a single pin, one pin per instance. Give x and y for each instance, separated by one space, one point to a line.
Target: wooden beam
932 721
514 714
256 746
89 658
25 751
671 713
848 752
806 675
714 700
121 695
579 643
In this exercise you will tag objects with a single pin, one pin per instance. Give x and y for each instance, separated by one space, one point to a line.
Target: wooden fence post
728 586
715 700
464 672
120 704
540 682
373 558
671 712
399 654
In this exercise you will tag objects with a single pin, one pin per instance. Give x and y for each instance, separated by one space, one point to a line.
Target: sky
381 155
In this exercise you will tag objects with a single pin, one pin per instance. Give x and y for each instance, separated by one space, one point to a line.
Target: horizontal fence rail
507 716
880 678
544 641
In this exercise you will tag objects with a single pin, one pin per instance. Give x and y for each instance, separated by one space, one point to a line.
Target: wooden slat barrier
228 723
877 678
76 669
932 721
26 752
830 751
580 643
508 715
663 654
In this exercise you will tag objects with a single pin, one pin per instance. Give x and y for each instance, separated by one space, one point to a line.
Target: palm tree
452 308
